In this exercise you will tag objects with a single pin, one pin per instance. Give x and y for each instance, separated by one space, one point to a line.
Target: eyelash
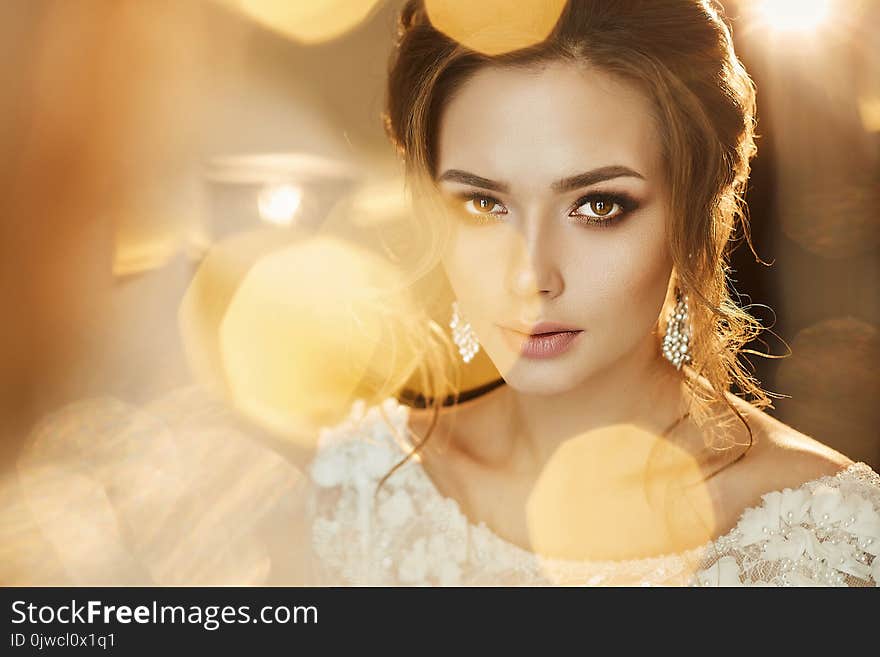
626 203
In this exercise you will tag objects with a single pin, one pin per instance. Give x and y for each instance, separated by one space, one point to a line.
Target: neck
641 389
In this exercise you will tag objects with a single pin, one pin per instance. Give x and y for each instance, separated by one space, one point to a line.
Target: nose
534 263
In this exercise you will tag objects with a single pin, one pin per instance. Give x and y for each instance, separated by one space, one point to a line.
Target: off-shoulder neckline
711 544
705 548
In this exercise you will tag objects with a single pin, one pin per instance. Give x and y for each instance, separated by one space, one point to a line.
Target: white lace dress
825 532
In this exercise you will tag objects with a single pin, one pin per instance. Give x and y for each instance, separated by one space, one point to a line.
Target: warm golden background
139 135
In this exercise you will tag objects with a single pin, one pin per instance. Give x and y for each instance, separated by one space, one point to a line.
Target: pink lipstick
545 340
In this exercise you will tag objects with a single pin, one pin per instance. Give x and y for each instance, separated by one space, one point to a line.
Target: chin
544 378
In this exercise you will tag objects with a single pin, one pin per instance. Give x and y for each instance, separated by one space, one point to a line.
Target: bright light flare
307 21
793 15
495 27
637 506
278 204
311 327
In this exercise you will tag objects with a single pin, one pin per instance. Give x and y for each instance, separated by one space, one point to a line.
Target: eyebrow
564 185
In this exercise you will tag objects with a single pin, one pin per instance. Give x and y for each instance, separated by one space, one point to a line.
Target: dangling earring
463 335
676 341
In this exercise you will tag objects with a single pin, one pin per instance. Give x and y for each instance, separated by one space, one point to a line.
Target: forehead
533 126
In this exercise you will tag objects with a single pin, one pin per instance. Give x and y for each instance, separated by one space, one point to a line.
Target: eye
602 209
477 204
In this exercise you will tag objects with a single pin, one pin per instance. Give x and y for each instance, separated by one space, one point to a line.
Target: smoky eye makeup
476 207
603 209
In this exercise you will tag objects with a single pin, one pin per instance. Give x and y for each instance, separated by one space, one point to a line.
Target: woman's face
554 179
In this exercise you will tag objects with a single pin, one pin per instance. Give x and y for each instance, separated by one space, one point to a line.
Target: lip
552 327
540 327
546 344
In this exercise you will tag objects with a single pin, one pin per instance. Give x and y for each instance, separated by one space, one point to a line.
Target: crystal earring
676 341
463 335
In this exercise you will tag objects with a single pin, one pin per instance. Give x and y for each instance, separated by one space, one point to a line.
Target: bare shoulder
782 456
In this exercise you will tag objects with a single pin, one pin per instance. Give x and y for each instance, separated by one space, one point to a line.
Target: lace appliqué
825 532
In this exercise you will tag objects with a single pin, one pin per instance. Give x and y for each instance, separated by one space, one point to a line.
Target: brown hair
679 52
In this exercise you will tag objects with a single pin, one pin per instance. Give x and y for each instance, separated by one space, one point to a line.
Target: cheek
473 261
630 277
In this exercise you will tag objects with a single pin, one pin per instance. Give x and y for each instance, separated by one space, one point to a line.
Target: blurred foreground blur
186 181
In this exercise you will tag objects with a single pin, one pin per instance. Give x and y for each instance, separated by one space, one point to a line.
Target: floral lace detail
825 532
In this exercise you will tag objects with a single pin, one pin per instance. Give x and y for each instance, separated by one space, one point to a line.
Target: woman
589 186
